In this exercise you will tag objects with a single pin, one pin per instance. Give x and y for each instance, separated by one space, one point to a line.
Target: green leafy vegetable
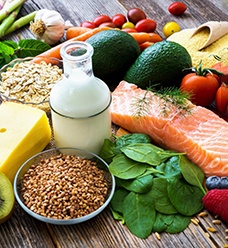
174 223
170 168
142 184
139 214
143 153
10 50
126 168
117 200
133 138
157 190
192 173
186 198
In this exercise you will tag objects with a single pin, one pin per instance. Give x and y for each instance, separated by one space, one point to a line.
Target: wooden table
22 230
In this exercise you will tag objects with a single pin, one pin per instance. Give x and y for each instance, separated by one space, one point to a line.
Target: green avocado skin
114 52
160 64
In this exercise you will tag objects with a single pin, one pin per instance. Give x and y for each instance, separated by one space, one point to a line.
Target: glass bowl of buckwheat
64 186
27 82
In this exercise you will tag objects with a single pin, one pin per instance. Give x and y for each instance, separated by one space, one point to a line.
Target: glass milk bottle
80 102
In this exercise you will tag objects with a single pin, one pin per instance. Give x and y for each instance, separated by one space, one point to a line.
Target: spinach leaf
192 173
117 216
139 185
107 151
143 153
186 198
179 224
164 155
132 138
139 214
169 169
160 195
118 199
173 223
126 168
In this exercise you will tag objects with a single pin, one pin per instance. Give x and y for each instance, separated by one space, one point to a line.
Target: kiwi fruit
7 198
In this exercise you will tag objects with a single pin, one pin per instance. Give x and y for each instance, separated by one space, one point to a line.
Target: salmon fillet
201 134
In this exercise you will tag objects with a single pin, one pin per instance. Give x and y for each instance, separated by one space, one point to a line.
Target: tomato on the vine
146 25
202 89
119 20
101 19
221 99
201 84
177 8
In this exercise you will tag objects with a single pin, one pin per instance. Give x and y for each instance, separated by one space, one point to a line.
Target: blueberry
213 182
224 183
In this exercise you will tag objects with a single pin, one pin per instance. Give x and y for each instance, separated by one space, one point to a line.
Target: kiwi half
7 198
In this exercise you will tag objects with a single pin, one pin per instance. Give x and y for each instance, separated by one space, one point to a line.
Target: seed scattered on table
211 229
216 222
203 214
64 187
195 221
157 235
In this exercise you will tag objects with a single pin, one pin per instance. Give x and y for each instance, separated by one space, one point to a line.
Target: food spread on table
170 96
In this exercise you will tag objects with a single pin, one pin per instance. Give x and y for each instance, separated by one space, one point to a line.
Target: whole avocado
160 64
114 52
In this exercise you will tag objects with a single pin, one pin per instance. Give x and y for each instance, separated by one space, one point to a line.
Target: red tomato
201 88
119 20
221 98
146 25
177 8
222 68
101 19
134 15
87 24
108 24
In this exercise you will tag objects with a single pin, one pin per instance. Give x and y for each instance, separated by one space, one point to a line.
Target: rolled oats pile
30 82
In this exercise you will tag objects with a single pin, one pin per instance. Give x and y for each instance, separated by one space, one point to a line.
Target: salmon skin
201 134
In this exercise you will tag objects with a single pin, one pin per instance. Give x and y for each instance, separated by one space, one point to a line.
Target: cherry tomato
128 25
201 88
135 14
177 8
146 25
170 28
108 24
119 20
87 24
101 19
221 99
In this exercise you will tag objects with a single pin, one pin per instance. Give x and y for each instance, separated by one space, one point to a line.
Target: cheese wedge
24 131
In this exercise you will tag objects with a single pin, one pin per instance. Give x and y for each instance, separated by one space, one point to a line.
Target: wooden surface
22 230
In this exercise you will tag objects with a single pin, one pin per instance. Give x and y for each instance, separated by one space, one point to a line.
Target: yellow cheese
24 131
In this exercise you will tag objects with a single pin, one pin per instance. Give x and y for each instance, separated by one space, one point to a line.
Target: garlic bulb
48 26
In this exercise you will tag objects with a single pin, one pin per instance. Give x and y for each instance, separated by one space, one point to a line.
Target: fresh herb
10 50
169 98
157 190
